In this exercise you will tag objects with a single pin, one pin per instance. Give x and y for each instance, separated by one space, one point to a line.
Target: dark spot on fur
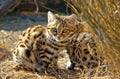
22 45
29 29
94 49
84 58
96 59
49 51
86 51
35 70
55 57
43 43
27 53
31 61
46 64
35 29
35 36
95 54
50 59
42 36
81 67
88 63
77 59
44 56
92 64
23 34
26 41
91 58
73 54
28 36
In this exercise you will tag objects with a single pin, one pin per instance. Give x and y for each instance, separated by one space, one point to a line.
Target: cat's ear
51 17
71 20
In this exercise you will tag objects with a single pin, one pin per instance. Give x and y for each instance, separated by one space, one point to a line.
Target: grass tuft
103 17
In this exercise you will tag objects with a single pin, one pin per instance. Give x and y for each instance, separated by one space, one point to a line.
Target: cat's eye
54 30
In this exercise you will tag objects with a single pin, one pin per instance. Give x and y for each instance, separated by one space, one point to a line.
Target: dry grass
7 71
103 16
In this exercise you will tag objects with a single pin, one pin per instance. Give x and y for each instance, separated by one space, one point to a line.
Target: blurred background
32 6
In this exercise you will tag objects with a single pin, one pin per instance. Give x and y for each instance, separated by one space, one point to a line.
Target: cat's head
61 26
